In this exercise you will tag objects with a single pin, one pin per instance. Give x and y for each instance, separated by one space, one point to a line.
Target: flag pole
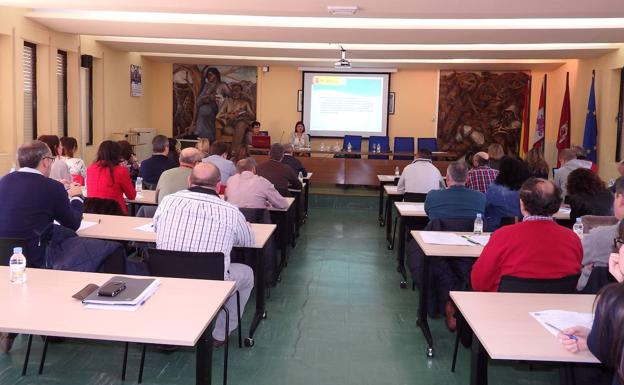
545 99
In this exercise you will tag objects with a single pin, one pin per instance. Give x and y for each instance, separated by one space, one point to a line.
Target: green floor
338 317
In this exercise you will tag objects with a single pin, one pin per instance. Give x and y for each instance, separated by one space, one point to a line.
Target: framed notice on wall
136 85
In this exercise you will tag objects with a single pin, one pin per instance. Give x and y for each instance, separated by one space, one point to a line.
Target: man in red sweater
535 248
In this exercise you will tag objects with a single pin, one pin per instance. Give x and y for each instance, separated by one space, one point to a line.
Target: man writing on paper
197 220
536 248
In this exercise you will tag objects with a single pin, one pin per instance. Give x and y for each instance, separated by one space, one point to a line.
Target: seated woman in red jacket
107 178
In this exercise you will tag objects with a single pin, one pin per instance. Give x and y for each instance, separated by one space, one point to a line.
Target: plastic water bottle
139 186
17 266
378 148
300 176
578 228
397 172
349 147
322 146
478 225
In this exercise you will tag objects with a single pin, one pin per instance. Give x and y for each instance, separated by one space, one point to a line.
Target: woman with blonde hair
203 145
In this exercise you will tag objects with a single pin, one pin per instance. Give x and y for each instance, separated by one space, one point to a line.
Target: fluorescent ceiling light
330 60
330 22
362 47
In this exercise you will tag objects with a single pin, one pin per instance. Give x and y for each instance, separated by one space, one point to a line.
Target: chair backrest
256 215
430 144
414 197
102 206
565 285
451 224
183 264
384 144
506 221
592 221
146 211
6 249
598 278
355 140
404 145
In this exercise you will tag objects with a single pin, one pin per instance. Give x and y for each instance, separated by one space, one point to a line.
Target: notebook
137 290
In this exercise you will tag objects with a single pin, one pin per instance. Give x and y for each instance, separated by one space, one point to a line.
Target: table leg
478 363
260 288
381 205
389 223
292 227
422 321
297 204
401 251
281 220
306 198
203 357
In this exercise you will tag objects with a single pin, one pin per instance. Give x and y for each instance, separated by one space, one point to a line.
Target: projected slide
346 104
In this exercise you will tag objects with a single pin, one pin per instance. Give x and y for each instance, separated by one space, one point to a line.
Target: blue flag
591 126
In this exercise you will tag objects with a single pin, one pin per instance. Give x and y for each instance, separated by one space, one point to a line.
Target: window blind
29 58
61 89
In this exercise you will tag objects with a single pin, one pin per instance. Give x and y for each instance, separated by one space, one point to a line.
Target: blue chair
405 145
356 145
430 144
384 144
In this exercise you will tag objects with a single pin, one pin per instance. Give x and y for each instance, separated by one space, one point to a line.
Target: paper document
562 319
565 210
480 239
148 227
83 224
444 238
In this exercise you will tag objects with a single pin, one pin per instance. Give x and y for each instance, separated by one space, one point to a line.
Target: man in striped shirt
481 176
198 220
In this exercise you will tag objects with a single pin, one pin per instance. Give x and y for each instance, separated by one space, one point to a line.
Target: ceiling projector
343 63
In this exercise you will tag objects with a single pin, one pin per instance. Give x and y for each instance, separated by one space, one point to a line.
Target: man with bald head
198 220
536 248
176 179
248 190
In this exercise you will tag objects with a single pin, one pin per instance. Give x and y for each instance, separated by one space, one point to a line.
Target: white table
383 180
44 306
503 326
123 228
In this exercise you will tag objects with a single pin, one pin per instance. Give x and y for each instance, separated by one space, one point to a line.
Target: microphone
281 137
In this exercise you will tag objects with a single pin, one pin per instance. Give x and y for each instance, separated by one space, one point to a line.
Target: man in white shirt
197 220
421 176
248 190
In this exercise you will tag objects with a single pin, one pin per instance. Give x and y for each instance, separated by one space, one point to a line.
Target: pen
470 240
570 336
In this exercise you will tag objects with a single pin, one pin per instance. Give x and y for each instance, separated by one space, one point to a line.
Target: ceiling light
342 10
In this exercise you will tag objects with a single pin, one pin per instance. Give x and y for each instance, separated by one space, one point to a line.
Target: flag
591 125
540 128
524 133
563 137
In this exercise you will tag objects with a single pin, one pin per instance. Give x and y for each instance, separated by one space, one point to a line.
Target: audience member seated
495 154
195 210
569 163
219 152
588 194
128 159
77 167
481 176
203 145
538 168
282 176
581 154
174 151
536 248
152 168
107 178
299 139
248 190
502 198
598 243
421 176
457 201
29 204
620 169
604 339
59 170
176 179
293 162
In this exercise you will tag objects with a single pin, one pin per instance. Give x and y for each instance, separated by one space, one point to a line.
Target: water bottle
478 225
300 176
139 186
349 147
322 146
578 228
17 266
397 172
378 148
337 147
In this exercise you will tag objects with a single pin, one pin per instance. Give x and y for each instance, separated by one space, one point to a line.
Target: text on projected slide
346 103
